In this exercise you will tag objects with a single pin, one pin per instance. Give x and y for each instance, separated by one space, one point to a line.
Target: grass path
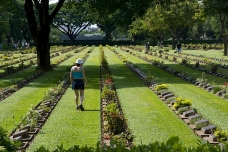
191 72
209 105
17 105
69 126
147 116
7 81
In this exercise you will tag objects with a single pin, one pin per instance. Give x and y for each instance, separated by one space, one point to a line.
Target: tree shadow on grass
123 76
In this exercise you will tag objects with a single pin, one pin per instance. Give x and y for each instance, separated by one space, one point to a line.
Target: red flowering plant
225 88
109 83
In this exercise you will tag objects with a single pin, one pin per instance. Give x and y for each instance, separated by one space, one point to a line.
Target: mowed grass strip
13 108
147 116
186 70
8 80
207 104
69 126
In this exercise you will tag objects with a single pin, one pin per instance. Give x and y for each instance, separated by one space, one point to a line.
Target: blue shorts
179 50
78 84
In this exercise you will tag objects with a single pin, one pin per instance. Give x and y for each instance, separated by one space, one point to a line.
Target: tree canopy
218 9
153 19
72 20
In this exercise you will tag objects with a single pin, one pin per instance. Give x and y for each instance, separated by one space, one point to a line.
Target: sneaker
81 107
77 108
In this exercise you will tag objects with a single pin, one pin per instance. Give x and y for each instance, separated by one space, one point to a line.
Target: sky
55 1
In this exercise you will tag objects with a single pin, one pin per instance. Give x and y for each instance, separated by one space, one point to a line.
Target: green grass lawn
207 104
16 106
147 116
69 126
8 80
217 81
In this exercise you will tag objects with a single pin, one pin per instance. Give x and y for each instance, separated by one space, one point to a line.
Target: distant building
83 37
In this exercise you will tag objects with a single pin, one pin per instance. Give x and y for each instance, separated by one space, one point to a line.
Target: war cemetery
113 76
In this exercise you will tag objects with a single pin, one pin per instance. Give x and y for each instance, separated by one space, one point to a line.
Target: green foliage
221 134
214 68
5 143
183 109
182 103
108 94
192 121
201 125
109 84
173 144
31 118
150 77
161 87
116 122
226 96
111 107
202 80
216 89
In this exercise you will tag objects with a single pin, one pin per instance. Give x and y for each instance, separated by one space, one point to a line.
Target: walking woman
78 79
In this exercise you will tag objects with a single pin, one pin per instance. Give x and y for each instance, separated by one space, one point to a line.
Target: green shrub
150 77
216 89
181 110
182 103
108 94
161 87
226 96
214 68
5 143
221 134
111 107
192 121
172 145
201 125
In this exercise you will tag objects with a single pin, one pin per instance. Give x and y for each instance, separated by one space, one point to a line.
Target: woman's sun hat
79 61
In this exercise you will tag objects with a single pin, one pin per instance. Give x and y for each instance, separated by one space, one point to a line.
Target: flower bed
32 123
202 127
112 118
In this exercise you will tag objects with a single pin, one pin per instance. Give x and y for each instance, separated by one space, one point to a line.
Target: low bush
221 134
182 103
5 143
161 87
173 144
216 89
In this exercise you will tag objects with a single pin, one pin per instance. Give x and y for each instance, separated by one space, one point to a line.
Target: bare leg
81 99
76 97
81 96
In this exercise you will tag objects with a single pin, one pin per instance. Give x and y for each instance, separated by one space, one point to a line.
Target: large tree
4 24
120 14
72 20
137 30
176 16
219 9
40 28
5 16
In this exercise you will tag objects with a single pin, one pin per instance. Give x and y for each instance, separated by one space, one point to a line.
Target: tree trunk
225 45
9 41
40 33
43 51
222 25
173 44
